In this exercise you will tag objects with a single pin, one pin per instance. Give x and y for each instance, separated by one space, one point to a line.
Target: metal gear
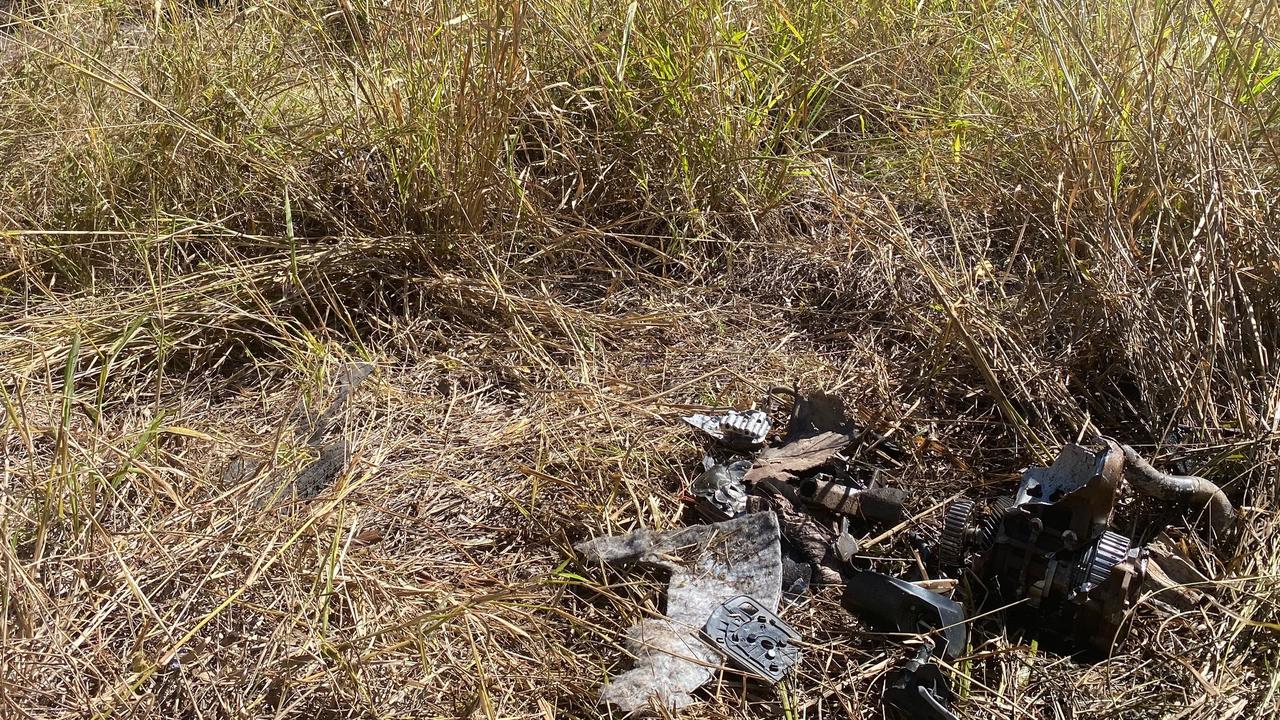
955 527
985 534
1110 550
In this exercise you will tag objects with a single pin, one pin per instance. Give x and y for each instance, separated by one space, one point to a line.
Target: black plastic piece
753 637
918 690
815 414
892 605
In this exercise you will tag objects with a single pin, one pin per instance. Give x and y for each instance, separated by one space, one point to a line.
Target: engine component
918 690
957 525
753 637
892 605
1050 550
967 531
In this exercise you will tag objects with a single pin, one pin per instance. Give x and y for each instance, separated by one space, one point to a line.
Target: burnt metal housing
1049 551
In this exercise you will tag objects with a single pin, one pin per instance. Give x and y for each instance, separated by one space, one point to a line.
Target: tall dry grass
991 226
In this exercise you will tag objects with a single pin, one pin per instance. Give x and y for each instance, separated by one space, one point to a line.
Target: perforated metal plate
753 637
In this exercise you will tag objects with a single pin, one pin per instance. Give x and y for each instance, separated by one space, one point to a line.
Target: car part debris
787 462
813 414
892 605
845 545
743 430
1183 488
808 481
720 490
1050 550
708 565
882 504
753 637
919 691
797 575
959 533
804 536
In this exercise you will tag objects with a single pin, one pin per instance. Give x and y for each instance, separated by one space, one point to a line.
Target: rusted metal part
882 504
1051 553
1081 486
1191 489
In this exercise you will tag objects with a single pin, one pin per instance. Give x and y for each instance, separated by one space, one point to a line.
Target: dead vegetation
552 226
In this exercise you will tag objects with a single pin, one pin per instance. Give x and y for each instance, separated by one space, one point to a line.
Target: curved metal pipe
1190 488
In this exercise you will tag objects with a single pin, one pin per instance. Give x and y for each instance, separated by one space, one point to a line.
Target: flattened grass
553 225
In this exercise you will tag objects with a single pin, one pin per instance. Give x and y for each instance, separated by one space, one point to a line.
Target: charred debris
772 520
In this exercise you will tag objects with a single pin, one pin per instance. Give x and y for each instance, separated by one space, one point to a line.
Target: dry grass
553 225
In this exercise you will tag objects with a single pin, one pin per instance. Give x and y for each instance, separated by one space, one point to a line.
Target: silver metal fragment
735 429
720 488
845 545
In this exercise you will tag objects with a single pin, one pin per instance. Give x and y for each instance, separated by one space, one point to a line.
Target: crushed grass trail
551 227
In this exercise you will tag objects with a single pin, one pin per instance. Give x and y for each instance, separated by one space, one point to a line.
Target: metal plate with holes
753 637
